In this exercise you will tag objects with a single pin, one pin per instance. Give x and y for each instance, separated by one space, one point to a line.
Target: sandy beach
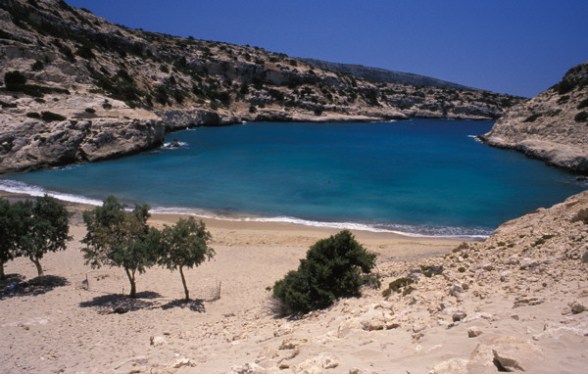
71 324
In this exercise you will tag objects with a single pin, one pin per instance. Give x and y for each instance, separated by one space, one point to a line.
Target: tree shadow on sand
117 303
14 285
194 305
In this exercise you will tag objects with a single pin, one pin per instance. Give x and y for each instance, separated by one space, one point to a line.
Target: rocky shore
552 126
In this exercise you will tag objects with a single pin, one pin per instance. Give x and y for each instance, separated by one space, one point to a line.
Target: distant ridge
379 75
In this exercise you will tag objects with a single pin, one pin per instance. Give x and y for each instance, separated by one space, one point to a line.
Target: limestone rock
505 353
474 332
550 126
157 341
248 368
316 365
453 366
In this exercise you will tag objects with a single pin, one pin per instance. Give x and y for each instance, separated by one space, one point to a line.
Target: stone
458 316
505 353
474 332
577 308
157 341
452 366
248 368
316 365
183 362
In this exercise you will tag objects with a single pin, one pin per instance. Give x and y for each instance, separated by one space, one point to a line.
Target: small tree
185 245
118 238
332 269
9 233
46 228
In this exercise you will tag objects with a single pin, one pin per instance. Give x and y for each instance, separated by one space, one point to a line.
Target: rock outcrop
552 126
76 67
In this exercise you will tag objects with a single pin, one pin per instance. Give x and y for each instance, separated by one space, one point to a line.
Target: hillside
379 75
553 126
85 89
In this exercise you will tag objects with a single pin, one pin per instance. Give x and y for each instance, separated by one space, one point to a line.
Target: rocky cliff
109 90
552 126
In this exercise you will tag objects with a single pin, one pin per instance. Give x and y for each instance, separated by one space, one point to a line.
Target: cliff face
94 75
552 126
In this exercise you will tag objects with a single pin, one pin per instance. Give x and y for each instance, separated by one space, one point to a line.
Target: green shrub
581 117
533 117
14 79
90 110
37 66
332 269
583 104
581 216
34 115
431 270
399 285
50 116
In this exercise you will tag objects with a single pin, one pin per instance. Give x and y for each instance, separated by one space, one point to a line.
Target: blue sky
510 46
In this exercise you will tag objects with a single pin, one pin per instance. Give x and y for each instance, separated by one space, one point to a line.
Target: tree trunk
184 284
2 274
131 276
37 265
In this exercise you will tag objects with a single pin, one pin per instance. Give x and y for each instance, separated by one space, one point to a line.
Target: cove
428 177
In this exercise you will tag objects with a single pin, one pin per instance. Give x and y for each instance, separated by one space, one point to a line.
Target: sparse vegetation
581 216
50 117
581 117
400 285
533 117
13 80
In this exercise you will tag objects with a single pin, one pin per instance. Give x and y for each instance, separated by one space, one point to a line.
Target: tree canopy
185 244
119 238
32 228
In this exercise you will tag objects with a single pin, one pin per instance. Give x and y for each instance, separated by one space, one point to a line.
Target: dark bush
332 269
581 216
533 117
34 115
85 52
583 104
581 117
252 109
14 79
50 116
399 285
37 66
90 110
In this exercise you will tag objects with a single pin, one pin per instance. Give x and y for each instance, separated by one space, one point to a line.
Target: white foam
475 137
174 145
13 186
405 230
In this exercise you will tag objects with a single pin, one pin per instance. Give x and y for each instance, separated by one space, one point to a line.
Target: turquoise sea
427 177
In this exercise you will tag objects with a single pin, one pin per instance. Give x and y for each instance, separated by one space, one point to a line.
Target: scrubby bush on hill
14 79
332 269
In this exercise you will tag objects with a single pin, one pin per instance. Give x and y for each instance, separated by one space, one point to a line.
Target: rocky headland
553 126
86 89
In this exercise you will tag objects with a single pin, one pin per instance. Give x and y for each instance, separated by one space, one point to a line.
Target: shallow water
420 176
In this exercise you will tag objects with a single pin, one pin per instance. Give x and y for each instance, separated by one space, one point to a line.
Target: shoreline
25 190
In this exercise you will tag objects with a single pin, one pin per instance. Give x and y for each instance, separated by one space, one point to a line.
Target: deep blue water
420 176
